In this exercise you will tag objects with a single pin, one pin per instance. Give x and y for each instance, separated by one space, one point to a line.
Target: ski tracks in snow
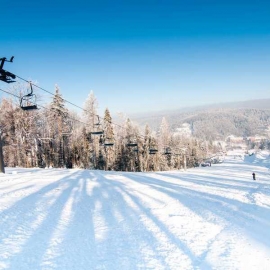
205 218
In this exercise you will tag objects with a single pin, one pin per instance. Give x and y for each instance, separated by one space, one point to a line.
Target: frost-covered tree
58 117
108 139
93 124
164 138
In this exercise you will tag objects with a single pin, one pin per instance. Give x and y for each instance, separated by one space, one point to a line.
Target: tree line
54 136
217 123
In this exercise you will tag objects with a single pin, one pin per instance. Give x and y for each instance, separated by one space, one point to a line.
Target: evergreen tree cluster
56 137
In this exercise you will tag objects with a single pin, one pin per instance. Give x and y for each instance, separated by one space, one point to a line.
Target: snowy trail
204 218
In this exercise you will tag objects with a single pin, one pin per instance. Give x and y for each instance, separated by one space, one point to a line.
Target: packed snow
214 217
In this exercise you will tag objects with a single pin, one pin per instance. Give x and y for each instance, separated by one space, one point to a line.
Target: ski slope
203 218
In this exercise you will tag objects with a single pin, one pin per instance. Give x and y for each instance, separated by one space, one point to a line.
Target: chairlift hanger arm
6 76
4 59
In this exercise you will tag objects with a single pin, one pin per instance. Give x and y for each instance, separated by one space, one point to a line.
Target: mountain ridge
245 118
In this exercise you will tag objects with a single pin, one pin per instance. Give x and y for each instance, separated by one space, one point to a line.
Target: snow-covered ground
204 218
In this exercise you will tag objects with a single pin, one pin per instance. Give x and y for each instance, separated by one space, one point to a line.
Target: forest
54 136
216 123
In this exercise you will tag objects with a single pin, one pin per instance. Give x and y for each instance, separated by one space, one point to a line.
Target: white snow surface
204 218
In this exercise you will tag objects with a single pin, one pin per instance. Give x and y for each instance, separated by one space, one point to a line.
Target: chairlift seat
108 144
100 132
132 144
29 108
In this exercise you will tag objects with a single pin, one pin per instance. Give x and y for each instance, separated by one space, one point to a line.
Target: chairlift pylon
28 101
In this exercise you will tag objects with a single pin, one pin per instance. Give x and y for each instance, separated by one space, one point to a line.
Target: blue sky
140 56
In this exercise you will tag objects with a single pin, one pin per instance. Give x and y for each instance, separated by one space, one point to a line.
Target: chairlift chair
152 151
132 143
167 151
28 101
97 130
108 142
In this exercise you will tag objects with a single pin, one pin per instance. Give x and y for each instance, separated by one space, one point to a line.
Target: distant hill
213 121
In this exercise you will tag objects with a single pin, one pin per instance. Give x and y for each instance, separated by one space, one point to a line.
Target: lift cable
71 103
152 151
40 106
43 107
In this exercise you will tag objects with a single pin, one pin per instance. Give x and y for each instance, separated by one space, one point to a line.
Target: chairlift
6 76
132 143
108 142
97 130
167 151
28 101
152 151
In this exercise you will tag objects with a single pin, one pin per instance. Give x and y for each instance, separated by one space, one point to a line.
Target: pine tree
164 145
58 118
108 139
93 123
